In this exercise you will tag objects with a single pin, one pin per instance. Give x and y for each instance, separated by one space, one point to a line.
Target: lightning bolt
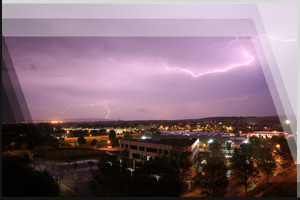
235 99
67 108
275 37
282 40
109 111
246 54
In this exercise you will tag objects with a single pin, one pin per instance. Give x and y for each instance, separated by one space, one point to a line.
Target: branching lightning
223 69
275 37
109 111
246 54
82 105
235 99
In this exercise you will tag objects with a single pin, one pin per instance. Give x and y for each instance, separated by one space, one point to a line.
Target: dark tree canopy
162 176
22 181
212 171
81 140
94 142
266 161
112 135
242 163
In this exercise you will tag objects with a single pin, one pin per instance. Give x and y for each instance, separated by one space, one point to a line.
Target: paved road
80 186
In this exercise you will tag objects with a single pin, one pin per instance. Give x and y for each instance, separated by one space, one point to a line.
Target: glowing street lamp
278 146
210 141
287 121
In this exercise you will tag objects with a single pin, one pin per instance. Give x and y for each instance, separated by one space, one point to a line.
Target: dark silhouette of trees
228 146
49 141
110 179
283 153
213 172
242 163
162 176
128 136
94 142
21 180
44 128
266 160
81 141
112 137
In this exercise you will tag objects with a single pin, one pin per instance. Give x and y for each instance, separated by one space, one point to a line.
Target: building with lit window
146 149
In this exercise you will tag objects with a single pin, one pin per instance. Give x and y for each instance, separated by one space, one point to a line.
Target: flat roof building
146 149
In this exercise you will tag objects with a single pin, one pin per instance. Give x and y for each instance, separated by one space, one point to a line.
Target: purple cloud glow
140 77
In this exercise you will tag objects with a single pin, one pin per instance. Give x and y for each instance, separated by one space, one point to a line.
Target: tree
228 146
180 158
48 140
112 137
283 153
128 136
242 163
158 177
213 173
215 149
110 180
81 140
266 161
124 157
94 142
44 128
20 180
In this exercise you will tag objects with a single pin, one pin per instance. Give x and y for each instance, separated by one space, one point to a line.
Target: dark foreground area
21 180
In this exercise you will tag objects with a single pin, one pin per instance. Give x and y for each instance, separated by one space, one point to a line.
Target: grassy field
69 154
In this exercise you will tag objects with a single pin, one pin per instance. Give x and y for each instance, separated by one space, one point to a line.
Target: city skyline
133 78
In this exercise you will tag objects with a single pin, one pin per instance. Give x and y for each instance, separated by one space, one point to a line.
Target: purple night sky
140 77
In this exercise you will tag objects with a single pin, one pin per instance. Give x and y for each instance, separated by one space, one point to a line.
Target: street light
210 141
278 146
287 121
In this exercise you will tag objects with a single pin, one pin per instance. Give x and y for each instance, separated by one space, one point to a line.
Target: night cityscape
142 116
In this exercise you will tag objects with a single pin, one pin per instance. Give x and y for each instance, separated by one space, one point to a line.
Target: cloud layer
148 73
